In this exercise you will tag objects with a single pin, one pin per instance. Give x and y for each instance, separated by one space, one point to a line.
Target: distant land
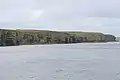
118 39
32 37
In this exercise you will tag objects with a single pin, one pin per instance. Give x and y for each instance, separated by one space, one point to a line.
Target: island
32 37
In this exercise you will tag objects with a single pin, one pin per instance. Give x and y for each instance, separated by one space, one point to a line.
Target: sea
82 61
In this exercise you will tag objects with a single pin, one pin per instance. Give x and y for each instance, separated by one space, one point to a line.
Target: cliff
29 37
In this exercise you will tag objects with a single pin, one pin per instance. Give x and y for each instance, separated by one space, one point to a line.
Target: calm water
98 61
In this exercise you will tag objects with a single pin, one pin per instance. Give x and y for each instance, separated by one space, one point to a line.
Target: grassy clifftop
28 37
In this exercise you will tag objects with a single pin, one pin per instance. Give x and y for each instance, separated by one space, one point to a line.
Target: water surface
86 61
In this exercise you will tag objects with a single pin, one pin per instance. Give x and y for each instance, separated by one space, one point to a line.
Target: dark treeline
30 37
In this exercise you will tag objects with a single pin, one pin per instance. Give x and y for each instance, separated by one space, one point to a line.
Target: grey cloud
97 8
88 15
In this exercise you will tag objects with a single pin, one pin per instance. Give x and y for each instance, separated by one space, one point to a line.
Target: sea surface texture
85 61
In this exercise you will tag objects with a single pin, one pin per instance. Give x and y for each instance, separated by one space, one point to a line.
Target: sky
61 15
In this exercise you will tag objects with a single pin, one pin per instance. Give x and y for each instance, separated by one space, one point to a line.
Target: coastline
42 37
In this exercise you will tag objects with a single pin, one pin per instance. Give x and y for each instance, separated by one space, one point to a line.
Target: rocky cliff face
110 38
29 37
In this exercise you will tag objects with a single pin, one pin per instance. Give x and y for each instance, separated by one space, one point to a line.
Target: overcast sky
80 15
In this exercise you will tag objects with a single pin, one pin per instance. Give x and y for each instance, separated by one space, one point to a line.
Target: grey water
85 61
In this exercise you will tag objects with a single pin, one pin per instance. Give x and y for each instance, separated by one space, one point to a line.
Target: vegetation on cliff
28 37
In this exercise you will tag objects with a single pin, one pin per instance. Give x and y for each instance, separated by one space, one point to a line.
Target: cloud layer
82 15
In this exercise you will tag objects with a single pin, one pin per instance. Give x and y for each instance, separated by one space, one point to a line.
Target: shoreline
61 44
